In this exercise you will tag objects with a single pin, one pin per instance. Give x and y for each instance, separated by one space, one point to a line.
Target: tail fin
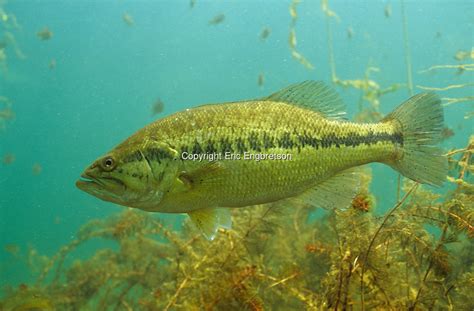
421 120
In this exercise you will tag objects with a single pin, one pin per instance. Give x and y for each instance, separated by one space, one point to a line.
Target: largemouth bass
294 143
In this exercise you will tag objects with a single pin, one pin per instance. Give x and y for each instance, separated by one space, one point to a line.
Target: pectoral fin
208 220
336 192
209 175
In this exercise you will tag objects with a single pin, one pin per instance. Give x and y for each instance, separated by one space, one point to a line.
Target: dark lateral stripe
266 141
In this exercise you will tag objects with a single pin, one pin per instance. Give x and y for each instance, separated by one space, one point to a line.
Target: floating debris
361 202
449 87
219 18
8 158
44 34
387 11
192 3
460 67
463 55
300 58
371 92
329 13
292 39
8 23
12 249
449 100
350 32
157 107
6 113
293 12
3 16
8 20
52 64
261 79
128 19
9 40
446 133
37 169
265 33
469 115
3 58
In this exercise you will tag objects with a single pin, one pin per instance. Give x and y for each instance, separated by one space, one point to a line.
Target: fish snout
89 177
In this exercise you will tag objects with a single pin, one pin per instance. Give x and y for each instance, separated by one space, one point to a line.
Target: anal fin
335 192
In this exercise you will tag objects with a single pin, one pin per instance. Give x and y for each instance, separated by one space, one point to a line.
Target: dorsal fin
313 95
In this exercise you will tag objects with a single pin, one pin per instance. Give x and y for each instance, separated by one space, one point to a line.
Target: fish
294 145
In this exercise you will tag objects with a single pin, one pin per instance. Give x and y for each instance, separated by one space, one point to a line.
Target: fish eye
108 164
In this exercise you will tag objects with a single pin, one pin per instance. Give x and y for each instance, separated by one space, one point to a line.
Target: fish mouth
86 182
91 184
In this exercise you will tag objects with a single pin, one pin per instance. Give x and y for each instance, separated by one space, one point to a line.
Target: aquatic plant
284 255
279 255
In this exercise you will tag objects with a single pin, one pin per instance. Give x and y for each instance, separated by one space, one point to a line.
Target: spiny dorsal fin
336 192
208 220
313 95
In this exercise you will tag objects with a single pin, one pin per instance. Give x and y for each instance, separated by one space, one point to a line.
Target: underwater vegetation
277 256
418 255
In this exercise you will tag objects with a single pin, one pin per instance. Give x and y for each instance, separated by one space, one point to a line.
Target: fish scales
319 147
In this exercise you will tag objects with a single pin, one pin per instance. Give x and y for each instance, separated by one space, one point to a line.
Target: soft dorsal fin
208 220
313 95
335 192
